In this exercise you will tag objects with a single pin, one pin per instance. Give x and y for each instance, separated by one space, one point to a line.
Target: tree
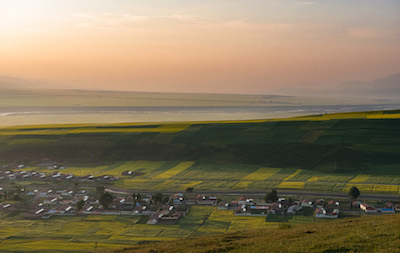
271 196
100 190
17 198
80 204
106 199
18 188
189 189
354 193
166 199
157 197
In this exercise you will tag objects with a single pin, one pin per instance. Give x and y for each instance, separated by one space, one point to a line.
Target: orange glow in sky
198 46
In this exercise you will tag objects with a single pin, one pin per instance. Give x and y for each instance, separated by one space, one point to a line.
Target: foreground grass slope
366 234
348 142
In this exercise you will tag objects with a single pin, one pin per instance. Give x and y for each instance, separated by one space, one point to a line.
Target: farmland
170 176
83 233
316 153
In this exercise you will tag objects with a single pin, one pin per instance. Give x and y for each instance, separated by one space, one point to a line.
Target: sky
237 46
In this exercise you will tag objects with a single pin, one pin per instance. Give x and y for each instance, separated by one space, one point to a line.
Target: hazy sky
237 46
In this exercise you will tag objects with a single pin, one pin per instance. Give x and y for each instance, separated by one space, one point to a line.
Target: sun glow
21 15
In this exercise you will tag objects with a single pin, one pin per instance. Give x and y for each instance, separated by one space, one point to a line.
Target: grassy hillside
366 234
348 142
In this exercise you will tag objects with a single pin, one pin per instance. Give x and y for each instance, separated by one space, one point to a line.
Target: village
160 209
45 201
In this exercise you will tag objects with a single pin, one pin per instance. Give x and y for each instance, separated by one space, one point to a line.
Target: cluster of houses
168 214
389 207
55 176
179 207
132 173
44 204
322 209
247 206
49 203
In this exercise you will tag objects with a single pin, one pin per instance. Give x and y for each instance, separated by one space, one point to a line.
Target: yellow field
292 185
386 188
21 244
360 178
78 171
238 222
261 174
348 115
293 175
314 179
361 187
191 184
175 170
143 166
165 128
164 184
242 184
384 116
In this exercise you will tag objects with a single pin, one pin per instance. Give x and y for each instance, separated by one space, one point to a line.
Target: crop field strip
292 175
175 170
261 174
167 128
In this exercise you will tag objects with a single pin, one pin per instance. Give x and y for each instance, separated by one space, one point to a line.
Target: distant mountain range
7 82
384 87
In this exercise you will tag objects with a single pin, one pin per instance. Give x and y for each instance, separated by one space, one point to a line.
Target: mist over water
67 115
